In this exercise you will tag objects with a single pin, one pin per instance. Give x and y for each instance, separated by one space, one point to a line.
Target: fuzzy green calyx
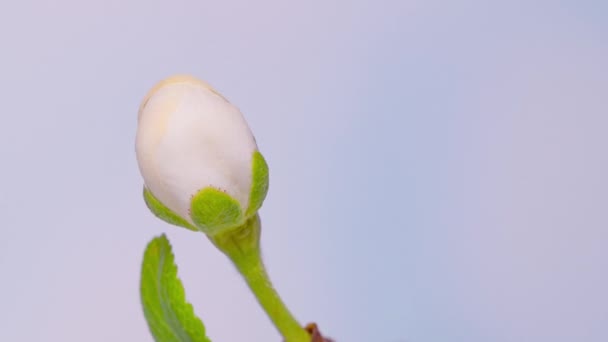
213 211
259 183
164 213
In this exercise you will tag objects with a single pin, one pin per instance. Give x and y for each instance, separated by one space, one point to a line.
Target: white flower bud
190 139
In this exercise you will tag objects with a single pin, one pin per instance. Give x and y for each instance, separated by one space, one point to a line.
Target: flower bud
200 162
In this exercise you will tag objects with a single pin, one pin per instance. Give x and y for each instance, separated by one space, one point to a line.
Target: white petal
189 137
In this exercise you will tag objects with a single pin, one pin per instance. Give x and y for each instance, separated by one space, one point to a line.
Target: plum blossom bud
200 162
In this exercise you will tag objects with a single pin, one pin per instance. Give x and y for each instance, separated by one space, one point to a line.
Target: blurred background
438 168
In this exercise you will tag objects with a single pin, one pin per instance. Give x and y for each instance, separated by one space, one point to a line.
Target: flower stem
256 277
242 246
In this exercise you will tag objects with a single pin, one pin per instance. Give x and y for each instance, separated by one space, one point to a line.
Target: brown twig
313 330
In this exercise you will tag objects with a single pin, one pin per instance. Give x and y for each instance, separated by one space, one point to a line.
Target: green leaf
170 317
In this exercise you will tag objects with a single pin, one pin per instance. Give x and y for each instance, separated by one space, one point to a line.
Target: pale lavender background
438 169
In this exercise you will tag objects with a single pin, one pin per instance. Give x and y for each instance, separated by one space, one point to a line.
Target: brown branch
313 330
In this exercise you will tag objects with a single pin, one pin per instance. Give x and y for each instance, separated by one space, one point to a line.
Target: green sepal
214 211
164 213
170 317
259 183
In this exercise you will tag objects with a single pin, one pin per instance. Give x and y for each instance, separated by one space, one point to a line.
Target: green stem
242 246
256 277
